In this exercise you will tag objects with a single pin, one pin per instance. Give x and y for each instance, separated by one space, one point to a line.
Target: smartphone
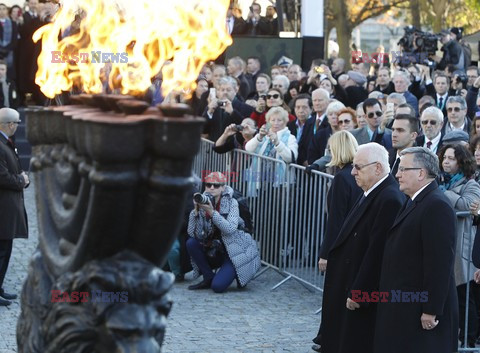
268 126
318 69
390 106
213 93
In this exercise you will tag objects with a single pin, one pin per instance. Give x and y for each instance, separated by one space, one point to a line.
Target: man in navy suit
355 257
419 258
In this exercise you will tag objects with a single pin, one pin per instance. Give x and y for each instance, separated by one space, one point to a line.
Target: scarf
7 33
258 173
450 180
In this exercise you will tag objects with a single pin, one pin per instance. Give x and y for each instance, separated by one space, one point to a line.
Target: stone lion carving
124 309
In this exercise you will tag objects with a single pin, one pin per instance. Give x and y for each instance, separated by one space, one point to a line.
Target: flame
151 33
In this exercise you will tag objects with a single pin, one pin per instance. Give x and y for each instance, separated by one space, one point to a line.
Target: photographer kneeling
217 239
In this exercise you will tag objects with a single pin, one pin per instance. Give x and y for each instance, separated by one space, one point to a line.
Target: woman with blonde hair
341 196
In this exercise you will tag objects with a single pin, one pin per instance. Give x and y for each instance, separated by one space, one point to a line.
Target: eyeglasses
346 121
378 113
15 122
456 109
403 169
432 122
209 185
274 96
361 166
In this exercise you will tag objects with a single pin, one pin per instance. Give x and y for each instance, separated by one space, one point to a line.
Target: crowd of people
403 144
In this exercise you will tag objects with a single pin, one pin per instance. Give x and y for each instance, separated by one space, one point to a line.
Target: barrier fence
289 211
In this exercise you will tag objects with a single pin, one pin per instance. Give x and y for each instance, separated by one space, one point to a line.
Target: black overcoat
13 216
419 256
354 264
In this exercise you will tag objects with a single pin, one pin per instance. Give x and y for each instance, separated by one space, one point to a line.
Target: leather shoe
7 296
4 302
205 284
317 348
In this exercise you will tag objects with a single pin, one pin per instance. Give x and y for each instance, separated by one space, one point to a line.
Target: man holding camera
452 53
256 24
224 108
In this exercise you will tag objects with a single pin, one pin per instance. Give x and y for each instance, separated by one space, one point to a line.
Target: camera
318 69
203 198
263 96
424 43
222 103
239 128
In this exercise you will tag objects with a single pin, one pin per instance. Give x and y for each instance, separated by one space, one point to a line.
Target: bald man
13 217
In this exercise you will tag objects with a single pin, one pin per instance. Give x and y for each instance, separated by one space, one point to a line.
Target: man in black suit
8 89
13 180
236 24
256 24
225 108
438 89
432 123
404 133
354 259
303 108
236 68
419 258
318 121
28 53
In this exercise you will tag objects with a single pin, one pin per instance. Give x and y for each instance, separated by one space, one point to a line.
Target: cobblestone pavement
252 319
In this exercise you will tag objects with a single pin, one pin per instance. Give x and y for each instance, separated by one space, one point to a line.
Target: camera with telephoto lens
203 198
424 43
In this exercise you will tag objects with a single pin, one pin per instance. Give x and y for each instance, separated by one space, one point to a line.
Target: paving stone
252 319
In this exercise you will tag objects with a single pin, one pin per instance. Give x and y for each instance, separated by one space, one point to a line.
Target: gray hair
376 153
457 99
403 74
322 91
397 96
424 158
283 78
334 106
433 111
279 111
228 80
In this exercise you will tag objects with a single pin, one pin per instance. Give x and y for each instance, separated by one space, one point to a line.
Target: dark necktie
317 124
440 103
357 205
429 145
395 167
11 143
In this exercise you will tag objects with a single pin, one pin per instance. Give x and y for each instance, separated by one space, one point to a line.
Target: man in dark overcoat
355 258
13 218
419 258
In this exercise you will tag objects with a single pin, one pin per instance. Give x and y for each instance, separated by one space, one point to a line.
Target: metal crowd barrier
470 268
288 209
289 215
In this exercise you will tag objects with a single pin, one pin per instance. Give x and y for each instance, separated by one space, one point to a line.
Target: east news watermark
94 57
95 296
393 296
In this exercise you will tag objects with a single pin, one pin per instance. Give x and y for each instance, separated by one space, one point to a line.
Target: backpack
244 210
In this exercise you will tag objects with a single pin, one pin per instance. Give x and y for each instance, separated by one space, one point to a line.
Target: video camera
416 41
